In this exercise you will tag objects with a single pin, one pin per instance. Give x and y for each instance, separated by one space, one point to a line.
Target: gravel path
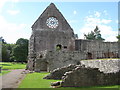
12 79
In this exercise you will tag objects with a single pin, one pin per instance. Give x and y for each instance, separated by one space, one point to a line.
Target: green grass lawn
4 72
9 65
35 80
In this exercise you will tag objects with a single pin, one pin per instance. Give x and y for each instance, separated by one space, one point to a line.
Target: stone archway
89 55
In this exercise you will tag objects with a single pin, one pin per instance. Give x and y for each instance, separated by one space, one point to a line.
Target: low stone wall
106 66
89 73
59 72
82 76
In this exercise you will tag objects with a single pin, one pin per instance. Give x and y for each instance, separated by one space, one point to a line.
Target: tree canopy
20 51
94 35
15 52
118 37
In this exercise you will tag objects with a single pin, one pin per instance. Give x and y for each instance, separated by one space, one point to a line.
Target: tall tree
5 51
118 37
20 51
94 35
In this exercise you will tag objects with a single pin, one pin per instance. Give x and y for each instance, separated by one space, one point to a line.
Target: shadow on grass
6 64
94 87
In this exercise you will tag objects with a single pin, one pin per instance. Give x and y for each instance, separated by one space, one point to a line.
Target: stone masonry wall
106 66
81 77
98 49
88 73
60 59
50 60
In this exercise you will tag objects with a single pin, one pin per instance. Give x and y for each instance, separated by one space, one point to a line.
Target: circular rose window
52 22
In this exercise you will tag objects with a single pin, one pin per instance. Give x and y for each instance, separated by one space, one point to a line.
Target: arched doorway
89 55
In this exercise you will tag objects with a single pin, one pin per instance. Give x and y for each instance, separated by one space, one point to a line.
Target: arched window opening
58 47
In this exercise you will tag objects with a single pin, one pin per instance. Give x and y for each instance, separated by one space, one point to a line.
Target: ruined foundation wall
106 66
81 77
88 73
93 73
59 72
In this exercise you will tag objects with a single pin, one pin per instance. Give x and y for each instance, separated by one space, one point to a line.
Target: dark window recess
65 47
41 56
89 55
58 47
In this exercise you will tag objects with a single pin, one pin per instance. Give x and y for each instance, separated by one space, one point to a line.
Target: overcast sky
17 17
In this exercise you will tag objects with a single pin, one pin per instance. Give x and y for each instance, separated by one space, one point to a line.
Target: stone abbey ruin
53 46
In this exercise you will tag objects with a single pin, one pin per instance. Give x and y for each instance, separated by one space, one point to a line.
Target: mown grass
4 72
35 80
9 65
96 87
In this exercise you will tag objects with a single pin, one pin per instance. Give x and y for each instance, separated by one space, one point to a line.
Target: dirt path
12 79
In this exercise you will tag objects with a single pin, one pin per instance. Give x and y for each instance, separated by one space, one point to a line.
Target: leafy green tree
118 37
5 51
90 36
20 51
3 41
94 35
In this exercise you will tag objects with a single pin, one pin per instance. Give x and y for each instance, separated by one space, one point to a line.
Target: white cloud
74 12
105 21
92 21
108 32
97 14
12 31
13 12
2 3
